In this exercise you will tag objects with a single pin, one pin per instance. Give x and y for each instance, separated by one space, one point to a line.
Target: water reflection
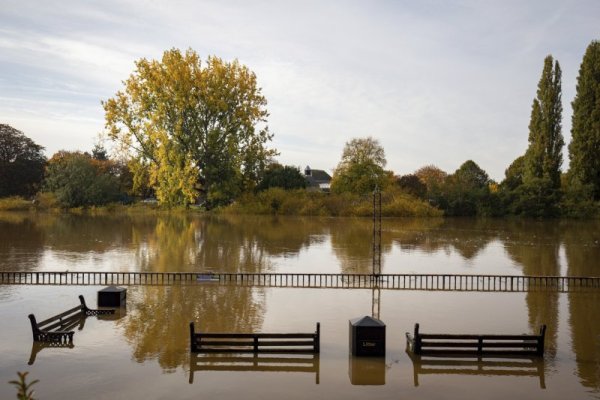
184 242
535 246
584 308
156 325
367 371
305 363
469 366
21 242
468 237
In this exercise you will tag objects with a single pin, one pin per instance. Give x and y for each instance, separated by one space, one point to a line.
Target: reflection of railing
526 367
307 363
434 282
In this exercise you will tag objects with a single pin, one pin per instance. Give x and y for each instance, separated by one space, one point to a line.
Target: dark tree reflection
468 237
535 245
21 242
582 249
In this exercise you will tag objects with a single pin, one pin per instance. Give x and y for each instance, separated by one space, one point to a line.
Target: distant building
317 179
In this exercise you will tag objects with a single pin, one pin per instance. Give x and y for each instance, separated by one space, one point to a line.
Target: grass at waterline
277 201
273 201
15 203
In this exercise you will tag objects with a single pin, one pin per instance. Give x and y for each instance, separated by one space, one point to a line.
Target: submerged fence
434 282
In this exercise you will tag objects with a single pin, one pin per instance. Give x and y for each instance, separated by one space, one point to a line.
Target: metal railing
433 282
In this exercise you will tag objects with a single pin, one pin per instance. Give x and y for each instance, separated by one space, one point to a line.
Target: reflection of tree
21 242
534 245
352 243
466 236
85 233
158 319
224 244
582 249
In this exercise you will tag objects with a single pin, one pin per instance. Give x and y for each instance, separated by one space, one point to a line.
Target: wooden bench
307 343
489 345
58 329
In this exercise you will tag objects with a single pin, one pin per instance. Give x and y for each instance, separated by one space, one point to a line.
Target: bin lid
366 321
112 289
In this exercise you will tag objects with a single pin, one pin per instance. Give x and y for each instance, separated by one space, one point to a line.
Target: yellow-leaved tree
194 130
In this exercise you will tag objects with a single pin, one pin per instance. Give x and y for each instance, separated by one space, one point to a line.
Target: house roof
318 176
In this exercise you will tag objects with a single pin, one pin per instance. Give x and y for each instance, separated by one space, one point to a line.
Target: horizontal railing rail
433 282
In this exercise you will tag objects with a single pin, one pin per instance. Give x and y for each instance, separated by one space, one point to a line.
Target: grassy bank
276 201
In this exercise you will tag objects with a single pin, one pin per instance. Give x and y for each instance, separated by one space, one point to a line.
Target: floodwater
143 351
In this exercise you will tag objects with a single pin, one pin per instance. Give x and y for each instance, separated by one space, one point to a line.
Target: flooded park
143 350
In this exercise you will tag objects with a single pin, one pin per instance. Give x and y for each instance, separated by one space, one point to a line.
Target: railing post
256 344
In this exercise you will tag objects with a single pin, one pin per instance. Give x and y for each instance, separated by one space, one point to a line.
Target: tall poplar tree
543 158
585 131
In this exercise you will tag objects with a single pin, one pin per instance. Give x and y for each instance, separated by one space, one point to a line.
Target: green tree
513 175
78 180
584 168
411 184
467 191
21 163
361 167
434 178
198 127
286 177
539 193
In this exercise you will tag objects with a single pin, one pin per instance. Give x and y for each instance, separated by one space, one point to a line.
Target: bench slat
472 337
65 324
225 343
254 360
58 316
286 343
251 343
262 351
258 335
254 368
484 345
471 352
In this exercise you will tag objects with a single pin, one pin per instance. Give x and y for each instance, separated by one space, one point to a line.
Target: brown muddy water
142 352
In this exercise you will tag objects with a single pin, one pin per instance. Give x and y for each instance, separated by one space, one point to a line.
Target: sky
435 81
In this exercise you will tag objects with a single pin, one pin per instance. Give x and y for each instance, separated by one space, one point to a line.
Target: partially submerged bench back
64 321
254 342
456 344
58 328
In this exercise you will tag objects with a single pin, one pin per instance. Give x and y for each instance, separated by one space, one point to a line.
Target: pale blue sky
437 82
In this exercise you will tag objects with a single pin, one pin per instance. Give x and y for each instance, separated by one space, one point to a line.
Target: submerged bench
58 328
489 345
307 343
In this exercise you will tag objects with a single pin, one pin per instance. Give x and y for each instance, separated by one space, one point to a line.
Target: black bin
367 337
112 296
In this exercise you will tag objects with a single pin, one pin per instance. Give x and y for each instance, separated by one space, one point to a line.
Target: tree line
187 131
